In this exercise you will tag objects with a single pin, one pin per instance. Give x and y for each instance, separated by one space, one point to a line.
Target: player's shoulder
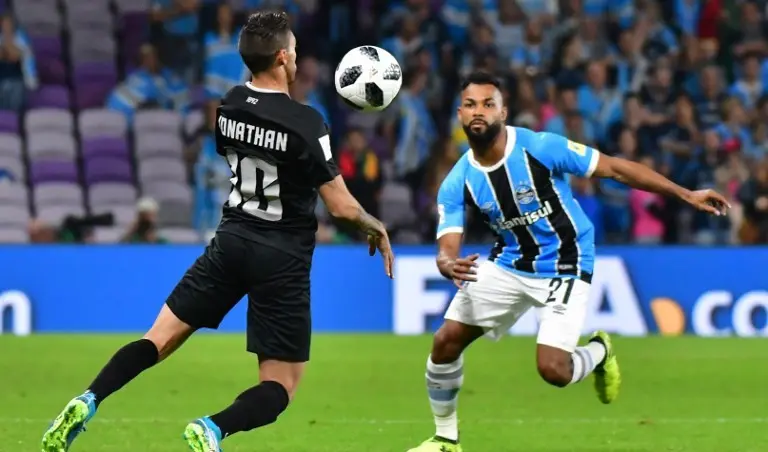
532 140
457 176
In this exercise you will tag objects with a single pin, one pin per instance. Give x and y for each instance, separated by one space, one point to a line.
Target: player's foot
203 435
70 423
437 444
607 374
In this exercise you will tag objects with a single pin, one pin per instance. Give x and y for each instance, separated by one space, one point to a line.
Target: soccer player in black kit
280 157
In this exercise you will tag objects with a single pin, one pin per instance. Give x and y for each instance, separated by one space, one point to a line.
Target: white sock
443 384
585 360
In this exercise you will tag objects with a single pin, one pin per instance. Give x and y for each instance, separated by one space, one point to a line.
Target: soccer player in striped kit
544 255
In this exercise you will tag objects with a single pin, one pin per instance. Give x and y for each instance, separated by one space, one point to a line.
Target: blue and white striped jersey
526 200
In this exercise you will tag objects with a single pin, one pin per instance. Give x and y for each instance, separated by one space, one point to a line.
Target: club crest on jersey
524 194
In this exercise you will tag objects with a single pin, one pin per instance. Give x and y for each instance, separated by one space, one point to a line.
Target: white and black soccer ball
368 78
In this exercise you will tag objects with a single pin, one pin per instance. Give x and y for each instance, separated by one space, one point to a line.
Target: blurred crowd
678 85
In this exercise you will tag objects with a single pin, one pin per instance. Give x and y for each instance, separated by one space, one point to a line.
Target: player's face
287 58
482 113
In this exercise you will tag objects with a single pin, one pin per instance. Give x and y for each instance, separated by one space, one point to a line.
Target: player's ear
504 113
281 57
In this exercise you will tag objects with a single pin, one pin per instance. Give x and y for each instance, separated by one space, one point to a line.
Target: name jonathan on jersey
257 136
525 220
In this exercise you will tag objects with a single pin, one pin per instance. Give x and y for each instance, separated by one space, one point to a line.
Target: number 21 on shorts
560 290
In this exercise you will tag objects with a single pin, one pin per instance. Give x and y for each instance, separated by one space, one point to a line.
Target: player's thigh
212 286
562 311
495 302
279 317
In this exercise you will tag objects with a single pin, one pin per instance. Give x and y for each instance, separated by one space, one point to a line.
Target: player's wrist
445 266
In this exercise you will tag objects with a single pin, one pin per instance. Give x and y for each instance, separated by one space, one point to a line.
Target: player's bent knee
554 365
288 375
168 333
447 345
554 373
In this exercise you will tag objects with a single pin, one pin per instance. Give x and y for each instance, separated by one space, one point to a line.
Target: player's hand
464 270
708 201
382 244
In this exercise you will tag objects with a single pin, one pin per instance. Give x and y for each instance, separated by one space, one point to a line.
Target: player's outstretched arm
343 206
644 178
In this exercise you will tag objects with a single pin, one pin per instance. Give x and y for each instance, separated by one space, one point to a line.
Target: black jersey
279 152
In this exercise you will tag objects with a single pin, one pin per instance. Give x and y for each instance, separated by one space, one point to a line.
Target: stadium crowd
679 85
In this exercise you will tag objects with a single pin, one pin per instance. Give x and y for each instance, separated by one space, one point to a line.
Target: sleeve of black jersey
322 167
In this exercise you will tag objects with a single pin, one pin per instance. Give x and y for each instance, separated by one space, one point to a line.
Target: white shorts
498 299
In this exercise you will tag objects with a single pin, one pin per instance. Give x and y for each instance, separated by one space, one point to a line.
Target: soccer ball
368 78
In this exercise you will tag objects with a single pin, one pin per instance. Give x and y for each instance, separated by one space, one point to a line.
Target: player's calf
560 368
262 404
445 375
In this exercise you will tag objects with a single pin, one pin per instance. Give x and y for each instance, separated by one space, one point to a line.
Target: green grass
367 394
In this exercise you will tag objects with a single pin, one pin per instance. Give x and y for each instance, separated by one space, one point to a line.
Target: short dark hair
265 33
481 78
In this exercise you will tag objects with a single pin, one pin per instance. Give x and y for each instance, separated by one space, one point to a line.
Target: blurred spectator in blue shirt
149 86
658 99
680 141
628 64
594 45
223 65
748 87
660 40
177 42
481 47
687 15
527 58
597 102
458 14
406 42
711 97
18 71
423 61
211 177
567 102
615 195
733 131
622 13
704 169
509 30
594 8
417 131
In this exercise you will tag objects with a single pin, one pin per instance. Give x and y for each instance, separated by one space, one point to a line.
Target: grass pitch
366 393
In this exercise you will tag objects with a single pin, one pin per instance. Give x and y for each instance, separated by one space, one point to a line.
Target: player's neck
494 152
267 82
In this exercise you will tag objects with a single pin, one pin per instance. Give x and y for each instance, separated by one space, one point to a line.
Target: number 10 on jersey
255 188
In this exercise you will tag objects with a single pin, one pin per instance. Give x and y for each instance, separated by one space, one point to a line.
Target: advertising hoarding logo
20 308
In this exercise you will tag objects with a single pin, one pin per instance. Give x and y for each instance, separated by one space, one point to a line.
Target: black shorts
277 285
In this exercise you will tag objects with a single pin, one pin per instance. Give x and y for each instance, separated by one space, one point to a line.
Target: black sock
256 407
125 365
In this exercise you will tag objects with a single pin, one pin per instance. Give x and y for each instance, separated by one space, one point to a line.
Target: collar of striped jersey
264 90
511 138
